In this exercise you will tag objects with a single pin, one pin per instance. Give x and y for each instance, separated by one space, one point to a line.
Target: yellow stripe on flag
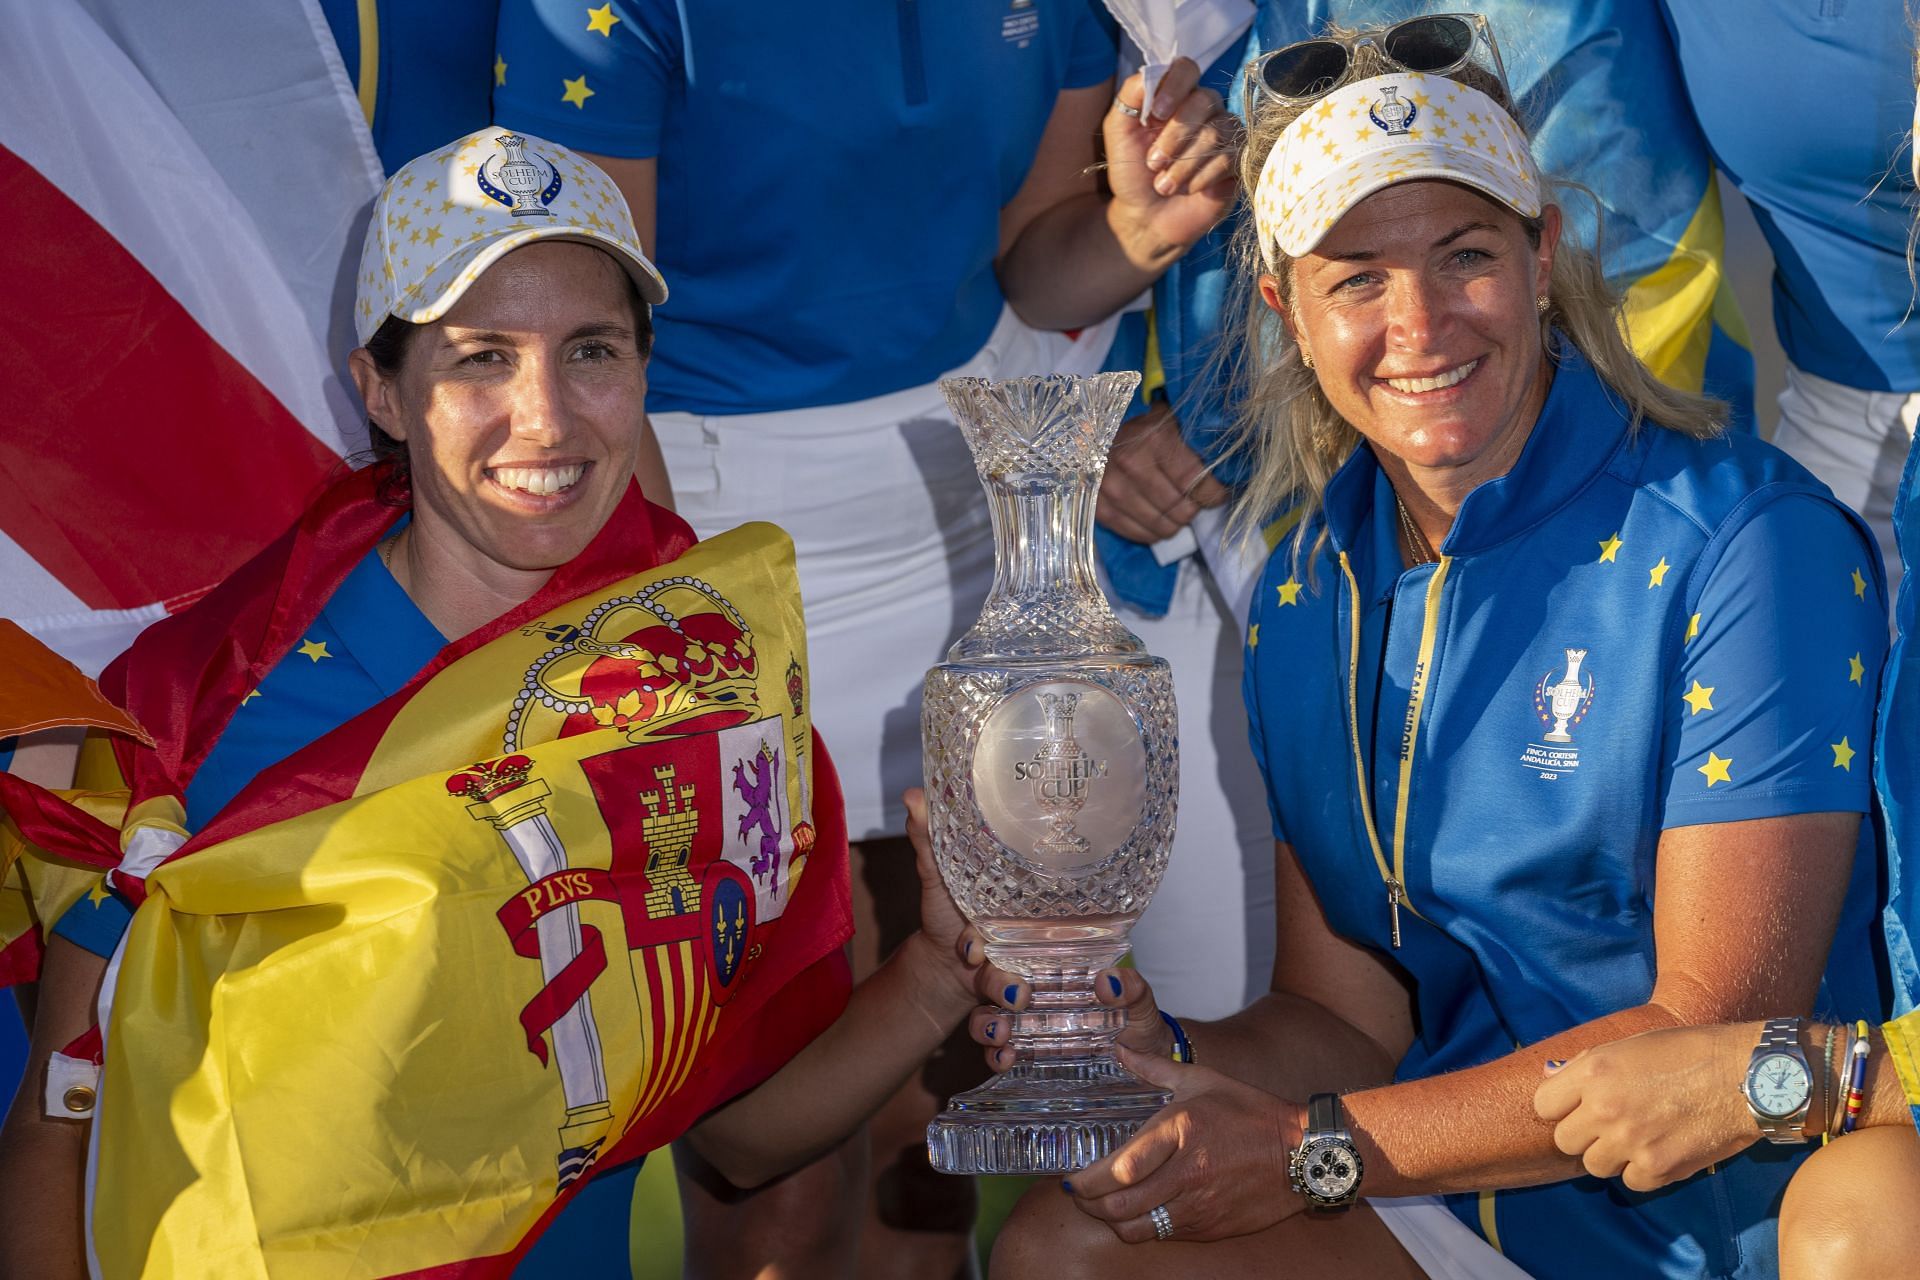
1670 311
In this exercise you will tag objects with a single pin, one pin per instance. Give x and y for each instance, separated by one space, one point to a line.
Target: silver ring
1162 1222
1126 110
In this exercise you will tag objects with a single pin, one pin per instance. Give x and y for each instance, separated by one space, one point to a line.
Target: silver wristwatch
1779 1084
1325 1167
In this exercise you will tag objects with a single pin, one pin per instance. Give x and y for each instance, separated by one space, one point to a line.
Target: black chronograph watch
1325 1167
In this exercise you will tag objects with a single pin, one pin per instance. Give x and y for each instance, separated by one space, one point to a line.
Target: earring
1541 304
1306 357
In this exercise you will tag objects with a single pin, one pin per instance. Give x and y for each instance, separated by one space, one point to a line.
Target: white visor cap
447 216
1376 132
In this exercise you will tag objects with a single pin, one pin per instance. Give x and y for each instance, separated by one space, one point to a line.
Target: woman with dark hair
1591 672
477 843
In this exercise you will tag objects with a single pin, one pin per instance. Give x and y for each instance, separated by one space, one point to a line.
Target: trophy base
1043 1117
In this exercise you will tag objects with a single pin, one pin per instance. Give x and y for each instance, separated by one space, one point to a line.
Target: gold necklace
386 551
1418 548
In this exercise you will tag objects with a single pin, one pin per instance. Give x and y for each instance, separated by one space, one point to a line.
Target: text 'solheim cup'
1052 763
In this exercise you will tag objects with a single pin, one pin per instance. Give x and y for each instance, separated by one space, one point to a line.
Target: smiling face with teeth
1418 310
522 412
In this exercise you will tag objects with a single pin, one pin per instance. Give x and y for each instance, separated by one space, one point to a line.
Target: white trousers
1856 442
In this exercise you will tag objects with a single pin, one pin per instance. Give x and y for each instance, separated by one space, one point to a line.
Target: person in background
1817 154
853 203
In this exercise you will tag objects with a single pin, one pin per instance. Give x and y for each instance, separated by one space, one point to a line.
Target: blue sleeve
1095 51
95 925
596 78
1772 710
1250 683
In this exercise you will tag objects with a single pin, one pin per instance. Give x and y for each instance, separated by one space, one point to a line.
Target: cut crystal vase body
1052 765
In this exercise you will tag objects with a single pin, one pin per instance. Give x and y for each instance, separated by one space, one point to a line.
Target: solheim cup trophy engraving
1052 769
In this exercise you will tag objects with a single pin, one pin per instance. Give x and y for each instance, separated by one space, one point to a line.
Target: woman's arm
1743 916
43 1160
894 1020
1070 256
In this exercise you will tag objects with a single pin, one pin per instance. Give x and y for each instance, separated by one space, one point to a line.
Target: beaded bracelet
1829 1098
1182 1047
1857 1077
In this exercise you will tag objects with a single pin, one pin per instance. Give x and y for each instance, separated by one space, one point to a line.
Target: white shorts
1443 1246
1856 442
895 548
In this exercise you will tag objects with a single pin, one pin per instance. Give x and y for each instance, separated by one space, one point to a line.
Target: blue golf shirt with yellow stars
1630 631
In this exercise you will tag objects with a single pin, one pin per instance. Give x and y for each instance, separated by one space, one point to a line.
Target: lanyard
1394 876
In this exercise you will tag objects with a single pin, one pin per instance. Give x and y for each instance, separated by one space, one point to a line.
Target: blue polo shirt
1807 107
831 174
1624 634
368 641
426 70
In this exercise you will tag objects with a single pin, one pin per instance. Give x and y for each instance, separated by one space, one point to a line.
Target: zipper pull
1393 909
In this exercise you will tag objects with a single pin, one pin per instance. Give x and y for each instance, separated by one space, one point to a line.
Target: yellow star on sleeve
1609 549
1693 629
499 70
1855 669
99 893
1253 636
1657 576
315 649
1700 697
602 19
1843 754
1716 769
577 92
1289 591
1859 585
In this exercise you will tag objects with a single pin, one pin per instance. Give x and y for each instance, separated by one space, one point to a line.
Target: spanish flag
579 882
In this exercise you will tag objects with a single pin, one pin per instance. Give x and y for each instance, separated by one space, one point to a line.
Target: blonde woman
1563 701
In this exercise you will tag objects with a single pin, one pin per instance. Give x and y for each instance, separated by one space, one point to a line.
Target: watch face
1778 1085
1329 1168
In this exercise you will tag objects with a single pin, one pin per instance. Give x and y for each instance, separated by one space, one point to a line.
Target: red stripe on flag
139 460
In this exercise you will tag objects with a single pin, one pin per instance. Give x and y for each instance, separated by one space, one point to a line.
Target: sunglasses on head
1436 43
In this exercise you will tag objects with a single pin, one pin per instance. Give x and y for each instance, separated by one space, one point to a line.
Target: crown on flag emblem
676 656
525 186
491 779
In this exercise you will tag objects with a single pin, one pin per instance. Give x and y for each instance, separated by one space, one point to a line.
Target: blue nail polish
1554 1064
991 1028
1066 1186
1113 983
1013 992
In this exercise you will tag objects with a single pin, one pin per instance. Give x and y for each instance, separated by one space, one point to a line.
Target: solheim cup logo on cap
526 185
1389 112
1561 701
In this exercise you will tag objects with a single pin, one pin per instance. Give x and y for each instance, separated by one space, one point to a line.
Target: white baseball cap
447 216
1376 132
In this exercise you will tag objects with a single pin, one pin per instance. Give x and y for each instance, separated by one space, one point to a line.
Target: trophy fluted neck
1040 445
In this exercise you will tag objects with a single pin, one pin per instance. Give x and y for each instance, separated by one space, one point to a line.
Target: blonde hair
1290 434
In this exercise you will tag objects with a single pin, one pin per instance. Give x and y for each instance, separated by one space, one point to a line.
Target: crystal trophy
1052 766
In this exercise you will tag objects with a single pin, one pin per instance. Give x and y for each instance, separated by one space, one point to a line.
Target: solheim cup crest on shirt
703 839
525 185
1560 700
